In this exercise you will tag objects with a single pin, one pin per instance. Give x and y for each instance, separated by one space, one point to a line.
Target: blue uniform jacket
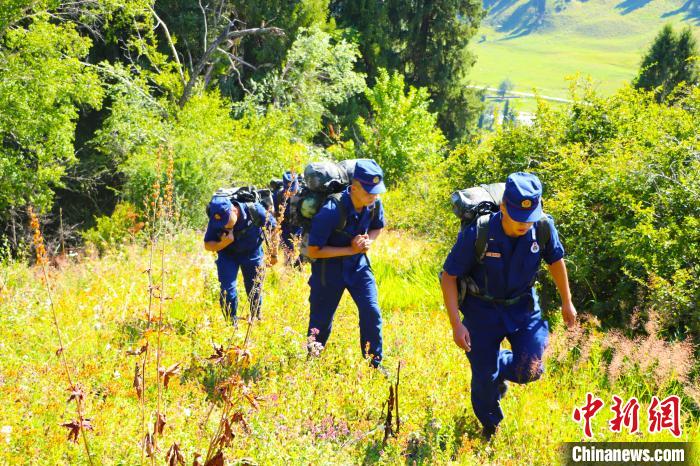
510 264
249 242
323 233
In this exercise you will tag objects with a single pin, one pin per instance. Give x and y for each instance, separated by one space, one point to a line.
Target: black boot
487 432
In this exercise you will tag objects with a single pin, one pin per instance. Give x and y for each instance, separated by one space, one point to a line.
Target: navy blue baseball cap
523 197
370 176
289 183
219 211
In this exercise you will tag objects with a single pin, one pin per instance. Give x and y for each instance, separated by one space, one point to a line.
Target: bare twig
388 430
170 42
396 392
76 391
226 34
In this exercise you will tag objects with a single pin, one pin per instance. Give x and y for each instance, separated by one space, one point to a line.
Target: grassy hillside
326 410
537 47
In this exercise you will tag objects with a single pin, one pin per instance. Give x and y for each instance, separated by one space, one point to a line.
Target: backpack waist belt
503 301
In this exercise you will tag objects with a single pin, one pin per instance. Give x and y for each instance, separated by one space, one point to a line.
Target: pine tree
671 59
426 41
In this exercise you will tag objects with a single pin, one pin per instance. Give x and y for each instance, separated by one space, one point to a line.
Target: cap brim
524 216
374 189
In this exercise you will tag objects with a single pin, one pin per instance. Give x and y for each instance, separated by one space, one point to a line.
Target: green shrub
115 230
401 135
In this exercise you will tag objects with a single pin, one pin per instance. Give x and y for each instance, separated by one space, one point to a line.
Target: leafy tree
401 134
505 87
671 59
316 75
228 44
43 83
424 40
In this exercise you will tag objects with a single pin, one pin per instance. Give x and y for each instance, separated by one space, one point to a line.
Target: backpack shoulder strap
482 237
340 205
543 231
255 217
373 212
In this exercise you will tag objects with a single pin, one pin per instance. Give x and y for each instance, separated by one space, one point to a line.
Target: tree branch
206 26
226 34
170 42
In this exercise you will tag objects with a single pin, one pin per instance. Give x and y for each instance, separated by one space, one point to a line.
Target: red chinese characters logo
627 415
586 413
665 414
662 415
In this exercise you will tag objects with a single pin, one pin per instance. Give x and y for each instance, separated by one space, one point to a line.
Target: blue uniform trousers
288 239
327 286
488 325
227 266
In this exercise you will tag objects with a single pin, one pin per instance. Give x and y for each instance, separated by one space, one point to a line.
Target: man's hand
460 335
568 312
227 234
358 244
366 242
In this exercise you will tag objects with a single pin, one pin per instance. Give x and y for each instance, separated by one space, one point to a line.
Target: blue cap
523 197
370 176
219 211
290 184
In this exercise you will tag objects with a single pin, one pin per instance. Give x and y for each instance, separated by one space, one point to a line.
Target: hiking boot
487 432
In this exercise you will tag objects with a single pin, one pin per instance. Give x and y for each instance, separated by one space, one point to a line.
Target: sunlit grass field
327 410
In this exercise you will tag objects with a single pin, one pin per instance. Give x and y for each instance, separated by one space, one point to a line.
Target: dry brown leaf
76 393
74 428
139 351
138 381
251 399
166 373
149 444
174 456
227 435
238 417
219 356
216 460
242 354
159 424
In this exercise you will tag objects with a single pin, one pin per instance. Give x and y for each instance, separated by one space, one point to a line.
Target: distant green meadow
593 38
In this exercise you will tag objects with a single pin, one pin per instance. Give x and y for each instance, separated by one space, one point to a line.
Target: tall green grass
326 410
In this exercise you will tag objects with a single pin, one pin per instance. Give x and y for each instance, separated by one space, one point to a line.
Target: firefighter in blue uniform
290 235
503 303
235 233
341 258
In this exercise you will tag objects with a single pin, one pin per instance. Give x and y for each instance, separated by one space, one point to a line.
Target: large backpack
249 196
322 181
476 204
